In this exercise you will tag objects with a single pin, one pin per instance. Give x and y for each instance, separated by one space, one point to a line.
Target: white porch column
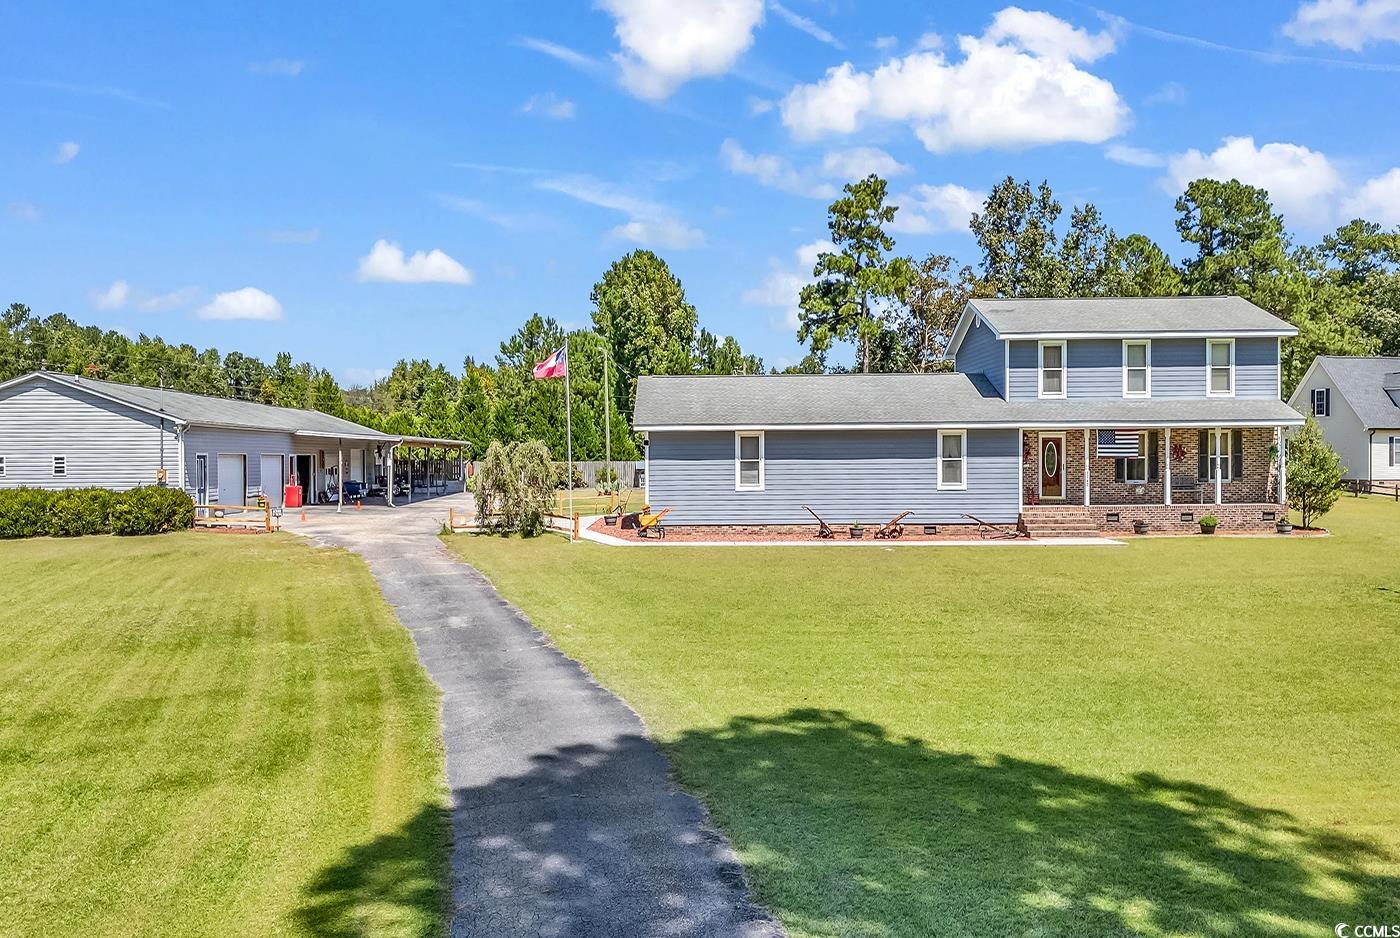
1283 468
339 475
1167 475
1219 464
1020 470
1086 467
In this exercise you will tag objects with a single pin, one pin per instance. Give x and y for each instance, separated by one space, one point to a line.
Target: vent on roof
1391 382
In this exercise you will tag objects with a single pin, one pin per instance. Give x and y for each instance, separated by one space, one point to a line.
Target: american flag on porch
1118 443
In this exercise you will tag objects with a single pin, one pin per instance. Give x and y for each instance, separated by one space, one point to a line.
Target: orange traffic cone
303 514
359 505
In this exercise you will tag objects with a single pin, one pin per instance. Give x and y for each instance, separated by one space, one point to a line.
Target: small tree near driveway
515 487
1314 473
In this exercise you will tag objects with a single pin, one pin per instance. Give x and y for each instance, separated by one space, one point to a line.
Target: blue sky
225 176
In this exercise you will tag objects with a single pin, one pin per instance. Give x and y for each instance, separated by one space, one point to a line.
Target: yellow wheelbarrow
648 521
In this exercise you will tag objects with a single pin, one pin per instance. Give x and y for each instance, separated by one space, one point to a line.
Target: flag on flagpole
1118 443
555 366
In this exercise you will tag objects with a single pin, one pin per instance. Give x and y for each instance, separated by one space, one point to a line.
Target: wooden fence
229 516
1372 487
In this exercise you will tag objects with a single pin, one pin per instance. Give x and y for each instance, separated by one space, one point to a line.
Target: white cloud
121 294
1133 156
650 223
885 43
386 263
757 105
778 172
1302 183
1172 92
1377 199
561 53
1017 85
549 104
1347 24
67 152
24 211
362 377
665 44
247 303
927 209
803 24
114 297
859 162
294 235
285 68
773 171
782 285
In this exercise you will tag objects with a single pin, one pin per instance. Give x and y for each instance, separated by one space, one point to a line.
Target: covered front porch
1074 480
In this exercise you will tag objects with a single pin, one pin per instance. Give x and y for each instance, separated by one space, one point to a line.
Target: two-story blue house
1066 416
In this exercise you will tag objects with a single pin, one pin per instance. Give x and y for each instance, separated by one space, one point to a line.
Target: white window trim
1226 446
53 466
952 486
762 462
1064 368
194 477
1146 367
1231 392
1394 451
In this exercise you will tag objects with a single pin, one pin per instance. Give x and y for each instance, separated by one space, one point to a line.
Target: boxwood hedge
152 509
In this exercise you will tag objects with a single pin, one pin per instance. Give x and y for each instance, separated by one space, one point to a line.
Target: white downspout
180 454
339 475
389 490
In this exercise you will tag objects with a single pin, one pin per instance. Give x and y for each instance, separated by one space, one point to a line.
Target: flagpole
569 435
607 430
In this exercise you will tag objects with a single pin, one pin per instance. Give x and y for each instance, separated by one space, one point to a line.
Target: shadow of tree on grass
850 831
847 830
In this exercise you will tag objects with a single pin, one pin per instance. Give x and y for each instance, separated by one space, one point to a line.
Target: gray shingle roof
1129 315
1364 382
910 400
224 412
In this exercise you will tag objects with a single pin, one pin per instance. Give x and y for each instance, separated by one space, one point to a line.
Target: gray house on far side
1356 401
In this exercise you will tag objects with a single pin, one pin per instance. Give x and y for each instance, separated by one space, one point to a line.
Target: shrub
515 488
562 478
76 512
152 509
24 512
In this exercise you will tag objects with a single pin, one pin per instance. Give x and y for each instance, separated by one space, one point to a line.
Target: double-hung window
952 459
1144 467
60 466
748 461
1220 367
1394 451
1052 369
1321 402
1137 368
1229 446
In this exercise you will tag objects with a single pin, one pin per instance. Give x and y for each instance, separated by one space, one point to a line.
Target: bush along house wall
152 509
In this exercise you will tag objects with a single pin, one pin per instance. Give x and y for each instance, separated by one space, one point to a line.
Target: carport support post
339 475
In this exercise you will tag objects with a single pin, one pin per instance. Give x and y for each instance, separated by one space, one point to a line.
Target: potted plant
1140 526
856 530
1284 526
1209 523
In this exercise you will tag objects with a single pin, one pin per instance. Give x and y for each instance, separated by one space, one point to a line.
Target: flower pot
610 520
1139 527
1284 527
857 533
1207 528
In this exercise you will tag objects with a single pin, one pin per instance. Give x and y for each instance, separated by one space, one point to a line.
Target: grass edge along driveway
1179 737
213 735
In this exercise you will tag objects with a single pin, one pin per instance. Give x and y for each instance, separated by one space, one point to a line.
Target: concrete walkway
564 819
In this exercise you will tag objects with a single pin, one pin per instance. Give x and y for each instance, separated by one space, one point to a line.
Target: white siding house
1356 401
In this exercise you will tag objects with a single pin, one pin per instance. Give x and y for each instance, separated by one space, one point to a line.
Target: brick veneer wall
1168 518
1257 486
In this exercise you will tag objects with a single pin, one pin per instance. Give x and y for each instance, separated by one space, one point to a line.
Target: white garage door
272 481
233 478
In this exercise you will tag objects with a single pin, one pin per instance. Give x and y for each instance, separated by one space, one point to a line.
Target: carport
441 463
431 465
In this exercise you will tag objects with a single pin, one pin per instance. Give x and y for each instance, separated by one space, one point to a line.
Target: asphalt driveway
564 818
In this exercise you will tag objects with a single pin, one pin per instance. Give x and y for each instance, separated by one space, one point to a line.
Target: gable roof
1371 387
911 401
1087 317
204 410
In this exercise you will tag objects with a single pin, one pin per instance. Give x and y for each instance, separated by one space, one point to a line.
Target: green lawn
212 735
589 502
1184 736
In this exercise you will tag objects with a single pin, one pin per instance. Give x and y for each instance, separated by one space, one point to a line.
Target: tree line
1342 293
897 312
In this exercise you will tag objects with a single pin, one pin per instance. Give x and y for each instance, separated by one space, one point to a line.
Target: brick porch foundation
1168 518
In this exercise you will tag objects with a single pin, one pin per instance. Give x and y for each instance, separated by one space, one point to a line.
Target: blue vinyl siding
1024 380
981 352
251 443
1178 368
853 475
1256 368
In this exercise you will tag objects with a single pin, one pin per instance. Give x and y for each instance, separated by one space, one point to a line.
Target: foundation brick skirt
1182 519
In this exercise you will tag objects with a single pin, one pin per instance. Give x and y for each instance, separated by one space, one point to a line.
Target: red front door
1052 465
